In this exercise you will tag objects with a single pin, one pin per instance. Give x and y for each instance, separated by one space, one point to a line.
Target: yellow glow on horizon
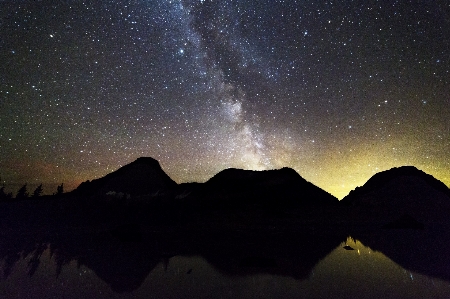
341 173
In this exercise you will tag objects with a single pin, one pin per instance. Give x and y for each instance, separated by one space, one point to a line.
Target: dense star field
337 90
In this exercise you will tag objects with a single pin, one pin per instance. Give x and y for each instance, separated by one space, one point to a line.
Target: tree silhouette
22 193
38 191
60 189
3 195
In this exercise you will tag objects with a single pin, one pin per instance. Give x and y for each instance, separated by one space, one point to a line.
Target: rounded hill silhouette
402 190
280 186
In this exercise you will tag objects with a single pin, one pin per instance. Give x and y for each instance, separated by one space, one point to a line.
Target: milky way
336 90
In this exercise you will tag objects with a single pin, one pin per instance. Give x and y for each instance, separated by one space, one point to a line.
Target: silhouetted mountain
282 187
141 177
403 190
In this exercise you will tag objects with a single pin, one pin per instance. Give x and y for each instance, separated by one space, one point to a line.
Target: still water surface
358 273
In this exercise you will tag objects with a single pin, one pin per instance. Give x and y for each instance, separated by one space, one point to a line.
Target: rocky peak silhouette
141 177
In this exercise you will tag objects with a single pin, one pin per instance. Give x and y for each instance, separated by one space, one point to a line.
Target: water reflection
179 254
361 272
124 265
423 251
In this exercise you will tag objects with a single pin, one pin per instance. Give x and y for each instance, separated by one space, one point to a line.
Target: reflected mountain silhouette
423 251
124 242
292 254
125 263
122 265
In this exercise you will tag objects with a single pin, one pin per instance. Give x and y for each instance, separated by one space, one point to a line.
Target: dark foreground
123 241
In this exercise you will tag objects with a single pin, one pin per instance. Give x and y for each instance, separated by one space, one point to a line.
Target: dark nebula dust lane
336 90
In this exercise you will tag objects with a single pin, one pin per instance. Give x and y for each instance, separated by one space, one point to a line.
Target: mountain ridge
145 176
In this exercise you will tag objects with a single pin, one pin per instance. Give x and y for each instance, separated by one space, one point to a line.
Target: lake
359 272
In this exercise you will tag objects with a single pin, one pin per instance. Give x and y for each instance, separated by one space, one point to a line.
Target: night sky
337 90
